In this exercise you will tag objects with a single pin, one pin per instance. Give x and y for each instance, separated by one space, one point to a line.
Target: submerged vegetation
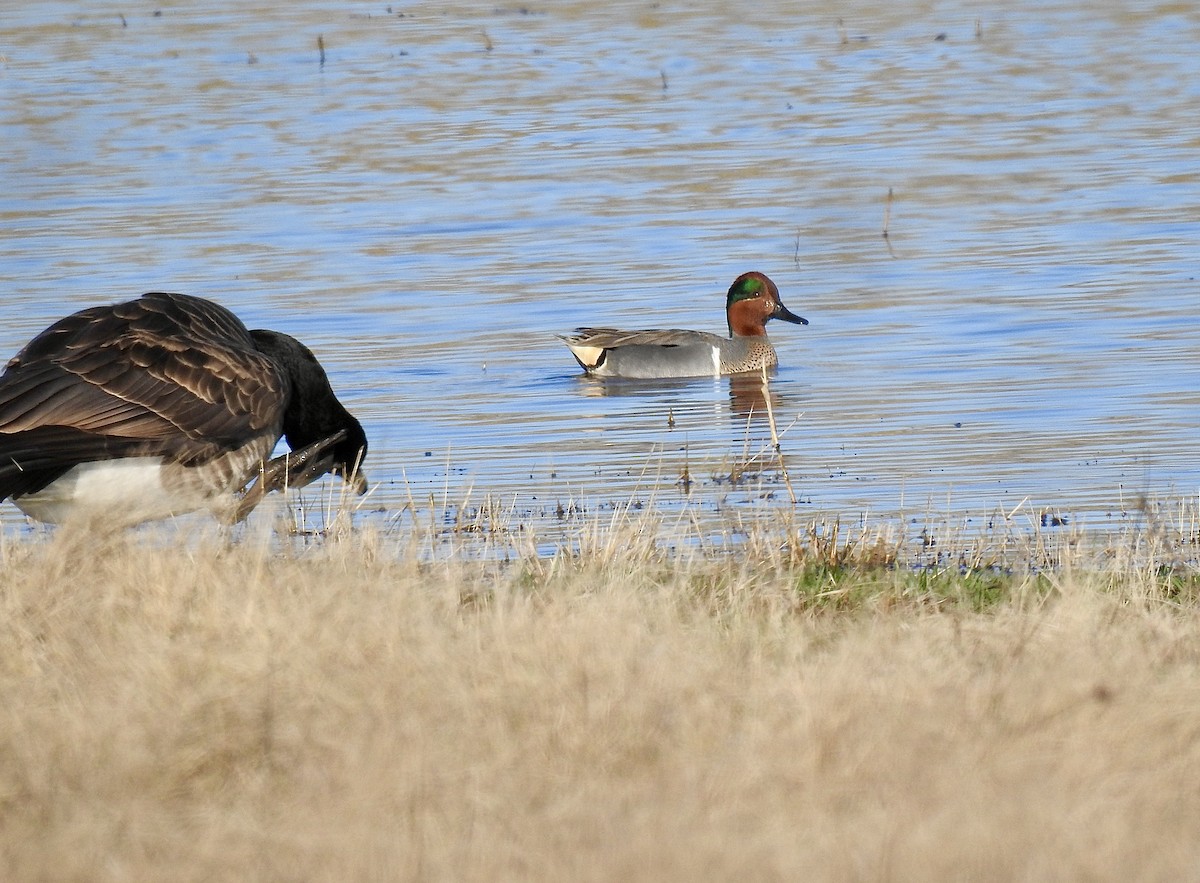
655 698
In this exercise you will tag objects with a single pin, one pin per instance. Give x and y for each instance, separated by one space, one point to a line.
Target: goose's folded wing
173 375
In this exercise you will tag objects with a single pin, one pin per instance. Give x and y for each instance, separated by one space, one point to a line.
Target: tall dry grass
179 708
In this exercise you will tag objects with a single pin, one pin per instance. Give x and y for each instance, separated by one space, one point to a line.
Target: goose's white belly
127 491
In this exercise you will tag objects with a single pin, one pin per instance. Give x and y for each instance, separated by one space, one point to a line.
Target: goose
166 404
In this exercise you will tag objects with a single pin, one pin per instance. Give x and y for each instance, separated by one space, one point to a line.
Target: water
457 183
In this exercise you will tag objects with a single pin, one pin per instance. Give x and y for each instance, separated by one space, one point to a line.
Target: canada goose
161 405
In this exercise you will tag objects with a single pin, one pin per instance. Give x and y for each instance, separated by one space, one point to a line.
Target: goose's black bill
160 405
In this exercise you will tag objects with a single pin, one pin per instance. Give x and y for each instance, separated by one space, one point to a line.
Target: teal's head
746 286
753 300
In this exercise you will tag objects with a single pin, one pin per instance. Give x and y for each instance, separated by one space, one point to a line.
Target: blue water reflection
455 186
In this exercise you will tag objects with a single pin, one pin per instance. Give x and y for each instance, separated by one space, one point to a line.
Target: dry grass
347 710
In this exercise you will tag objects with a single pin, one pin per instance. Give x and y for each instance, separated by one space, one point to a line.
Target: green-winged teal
164 404
753 300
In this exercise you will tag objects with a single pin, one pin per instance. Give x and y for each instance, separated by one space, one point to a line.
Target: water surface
457 183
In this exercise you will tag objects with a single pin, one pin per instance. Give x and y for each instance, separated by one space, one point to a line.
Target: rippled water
457 183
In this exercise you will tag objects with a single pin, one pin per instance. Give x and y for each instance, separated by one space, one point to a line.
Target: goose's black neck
313 411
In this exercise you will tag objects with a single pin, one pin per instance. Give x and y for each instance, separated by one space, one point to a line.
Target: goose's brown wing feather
165 374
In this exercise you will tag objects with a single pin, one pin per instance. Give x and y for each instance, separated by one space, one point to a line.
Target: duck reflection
746 397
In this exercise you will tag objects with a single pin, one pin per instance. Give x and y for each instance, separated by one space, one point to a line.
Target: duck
166 404
752 301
